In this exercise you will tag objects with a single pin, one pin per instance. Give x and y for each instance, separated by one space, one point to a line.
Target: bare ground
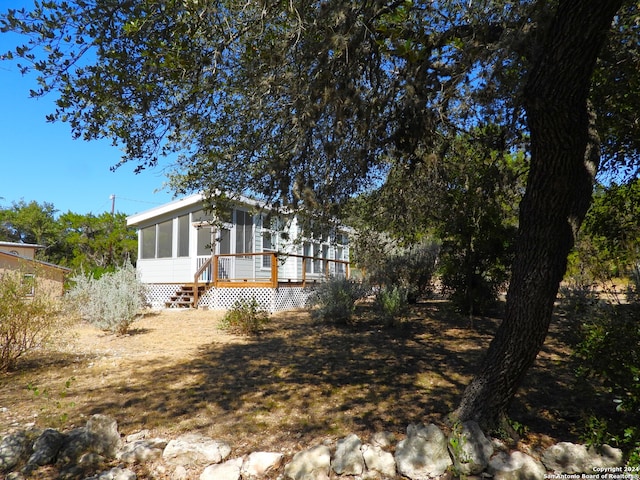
298 383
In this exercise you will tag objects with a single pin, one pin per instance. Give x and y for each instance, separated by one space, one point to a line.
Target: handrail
212 262
197 275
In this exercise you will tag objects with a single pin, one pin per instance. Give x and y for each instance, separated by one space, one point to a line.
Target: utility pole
112 197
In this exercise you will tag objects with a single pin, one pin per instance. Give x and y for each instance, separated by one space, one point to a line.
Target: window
148 242
204 241
317 263
269 238
244 229
183 236
308 252
202 217
29 282
325 255
157 240
224 240
165 239
267 246
340 267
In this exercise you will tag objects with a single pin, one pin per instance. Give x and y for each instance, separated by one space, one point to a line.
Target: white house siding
165 274
165 270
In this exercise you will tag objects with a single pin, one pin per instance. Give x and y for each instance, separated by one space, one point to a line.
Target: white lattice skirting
271 299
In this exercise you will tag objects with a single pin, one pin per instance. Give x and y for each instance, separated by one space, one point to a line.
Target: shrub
335 300
609 355
392 303
411 268
27 321
245 317
111 302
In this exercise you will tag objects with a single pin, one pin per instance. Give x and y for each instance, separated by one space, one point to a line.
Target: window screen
148 242
183 236
165 239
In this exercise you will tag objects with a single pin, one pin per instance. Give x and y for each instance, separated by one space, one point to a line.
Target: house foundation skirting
270 299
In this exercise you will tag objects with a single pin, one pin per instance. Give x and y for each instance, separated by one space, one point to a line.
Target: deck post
214 270
195 292
304 272
274 269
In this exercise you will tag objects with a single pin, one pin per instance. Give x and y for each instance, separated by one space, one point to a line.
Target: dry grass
296 384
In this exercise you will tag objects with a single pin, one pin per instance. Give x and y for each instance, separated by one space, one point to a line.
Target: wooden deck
209 273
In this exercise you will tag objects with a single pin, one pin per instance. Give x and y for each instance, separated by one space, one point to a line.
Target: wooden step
183 298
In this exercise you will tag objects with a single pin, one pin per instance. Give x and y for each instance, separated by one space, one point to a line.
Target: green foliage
478 223
386 263
609 357
29 223
392 304
335 301
29 318
412 270
111 302
608 243
349 81
471 208
54 404
93 243
246 317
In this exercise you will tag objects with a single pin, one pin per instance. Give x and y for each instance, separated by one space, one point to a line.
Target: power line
138 201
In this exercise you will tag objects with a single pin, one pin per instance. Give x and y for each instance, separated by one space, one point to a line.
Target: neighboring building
20 259
186 260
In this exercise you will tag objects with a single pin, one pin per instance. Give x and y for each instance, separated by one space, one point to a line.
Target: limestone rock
103 431
229 470
423 454
515 466
115 473
378 460
311 464
195 449
99 436
348 457
141 435
383 439
141 451
260 464
45 448
16 448
180 473
606 457
567 457
470 449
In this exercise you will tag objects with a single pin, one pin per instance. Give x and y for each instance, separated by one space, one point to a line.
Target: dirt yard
298 383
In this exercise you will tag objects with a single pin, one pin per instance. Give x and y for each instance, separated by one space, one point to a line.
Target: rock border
426 453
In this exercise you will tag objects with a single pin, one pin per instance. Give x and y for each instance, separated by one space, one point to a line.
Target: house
187 259
20 259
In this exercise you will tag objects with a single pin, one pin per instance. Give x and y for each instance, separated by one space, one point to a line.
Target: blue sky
40 161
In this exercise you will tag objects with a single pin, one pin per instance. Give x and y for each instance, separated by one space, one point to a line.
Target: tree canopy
304 102
93 243
307 103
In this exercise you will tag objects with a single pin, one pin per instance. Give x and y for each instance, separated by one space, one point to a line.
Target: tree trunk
564 160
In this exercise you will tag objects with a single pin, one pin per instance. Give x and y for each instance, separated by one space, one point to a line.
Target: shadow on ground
301 382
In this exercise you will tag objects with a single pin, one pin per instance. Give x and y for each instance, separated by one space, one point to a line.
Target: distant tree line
88 242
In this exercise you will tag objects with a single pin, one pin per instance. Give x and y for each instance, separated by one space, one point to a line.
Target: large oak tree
308 102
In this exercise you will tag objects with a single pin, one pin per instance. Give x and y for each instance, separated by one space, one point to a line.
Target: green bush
411 269
29 318
245 317
335 301
609 357
112 302
392 303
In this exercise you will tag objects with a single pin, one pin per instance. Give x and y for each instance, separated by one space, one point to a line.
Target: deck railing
220 271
